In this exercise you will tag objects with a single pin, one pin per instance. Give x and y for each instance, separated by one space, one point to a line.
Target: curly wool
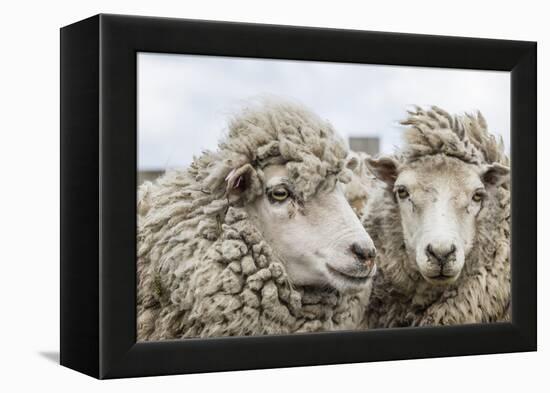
204 269
464 137
400 295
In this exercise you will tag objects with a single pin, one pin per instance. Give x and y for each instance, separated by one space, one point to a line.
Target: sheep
362 185
254 238
441 225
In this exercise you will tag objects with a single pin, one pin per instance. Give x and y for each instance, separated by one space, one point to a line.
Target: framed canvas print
238 196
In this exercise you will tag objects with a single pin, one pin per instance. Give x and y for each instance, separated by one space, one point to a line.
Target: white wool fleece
204 269
443 145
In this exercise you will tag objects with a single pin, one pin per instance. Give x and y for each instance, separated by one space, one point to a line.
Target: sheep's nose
441 253
363 252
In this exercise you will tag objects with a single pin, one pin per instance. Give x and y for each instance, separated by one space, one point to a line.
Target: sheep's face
320 241
439 200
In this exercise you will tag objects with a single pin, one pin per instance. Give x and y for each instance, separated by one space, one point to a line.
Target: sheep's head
440 185
319 240
289 183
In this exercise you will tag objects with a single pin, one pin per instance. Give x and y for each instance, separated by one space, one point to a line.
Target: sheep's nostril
430 252
365 254
441 254
359 251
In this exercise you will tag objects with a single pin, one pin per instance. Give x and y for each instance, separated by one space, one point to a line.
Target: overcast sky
184 101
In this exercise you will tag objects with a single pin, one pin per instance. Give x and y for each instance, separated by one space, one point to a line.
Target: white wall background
29 196
184 101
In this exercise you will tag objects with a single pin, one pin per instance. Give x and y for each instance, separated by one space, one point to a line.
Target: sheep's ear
384 168
352 163
495 175
242 179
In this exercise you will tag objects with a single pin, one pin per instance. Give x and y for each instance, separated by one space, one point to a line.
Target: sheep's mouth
359 279
441 278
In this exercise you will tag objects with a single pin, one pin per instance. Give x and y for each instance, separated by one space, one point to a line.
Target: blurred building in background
366 144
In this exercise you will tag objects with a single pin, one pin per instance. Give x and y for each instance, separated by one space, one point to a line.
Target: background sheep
363 184
256 238
442 225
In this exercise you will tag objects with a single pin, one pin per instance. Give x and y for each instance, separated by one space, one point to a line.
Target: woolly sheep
441 225
255 238
363 184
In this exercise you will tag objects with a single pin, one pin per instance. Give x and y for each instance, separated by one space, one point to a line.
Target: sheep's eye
279 194
478 196
402 192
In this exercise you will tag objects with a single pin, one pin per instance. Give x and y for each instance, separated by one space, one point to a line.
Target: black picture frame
98 195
